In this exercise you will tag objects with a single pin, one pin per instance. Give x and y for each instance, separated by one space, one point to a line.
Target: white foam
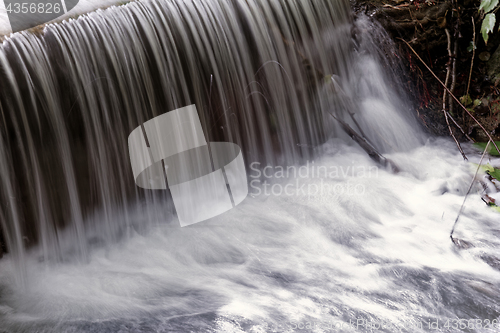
288 260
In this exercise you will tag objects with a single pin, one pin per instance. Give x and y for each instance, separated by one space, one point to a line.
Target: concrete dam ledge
82 7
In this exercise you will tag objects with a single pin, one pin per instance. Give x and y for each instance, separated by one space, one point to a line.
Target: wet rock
441 22
496 131
485 102
420 23
484 287
460 243
476 132
492 261
482 110
484 56
423 24
493 66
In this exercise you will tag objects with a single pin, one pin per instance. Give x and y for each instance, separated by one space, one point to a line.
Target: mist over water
278 261
355 248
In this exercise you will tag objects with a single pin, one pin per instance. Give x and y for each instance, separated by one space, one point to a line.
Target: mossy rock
493 66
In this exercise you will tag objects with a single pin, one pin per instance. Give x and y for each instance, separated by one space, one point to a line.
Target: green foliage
487 26
466 100
491 149
490 170
485 167
489 20
471 47
494 206
488 5
470 104
495 173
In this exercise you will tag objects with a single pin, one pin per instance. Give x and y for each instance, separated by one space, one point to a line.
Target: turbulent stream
326 241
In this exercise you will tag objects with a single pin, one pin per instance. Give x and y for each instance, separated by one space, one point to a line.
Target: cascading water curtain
70 97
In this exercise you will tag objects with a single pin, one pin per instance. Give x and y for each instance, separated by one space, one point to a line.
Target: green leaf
487 167
491 150
488 25
490 170
495 174
488 5
477 102
466 100
471 47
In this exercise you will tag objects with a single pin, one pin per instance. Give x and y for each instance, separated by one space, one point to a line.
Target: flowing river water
326 241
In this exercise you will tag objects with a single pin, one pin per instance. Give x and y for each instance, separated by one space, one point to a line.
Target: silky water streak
170 151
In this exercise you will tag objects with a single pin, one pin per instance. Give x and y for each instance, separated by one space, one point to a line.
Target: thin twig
366 145
454 97
454 61
337 88
453 135
448 38
459 127
473 54
448 70
468 191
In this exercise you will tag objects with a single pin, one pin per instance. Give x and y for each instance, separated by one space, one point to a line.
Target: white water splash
383 256
283 263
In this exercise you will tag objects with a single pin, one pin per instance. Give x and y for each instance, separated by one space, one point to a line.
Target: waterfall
70 97
266 76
